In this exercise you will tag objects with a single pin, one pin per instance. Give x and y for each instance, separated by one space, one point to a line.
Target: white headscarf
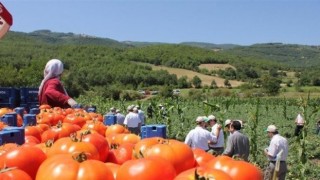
53 68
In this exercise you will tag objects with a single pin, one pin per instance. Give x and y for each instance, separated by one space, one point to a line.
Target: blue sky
243 22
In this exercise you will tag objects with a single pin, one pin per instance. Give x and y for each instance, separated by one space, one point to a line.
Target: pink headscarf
53 68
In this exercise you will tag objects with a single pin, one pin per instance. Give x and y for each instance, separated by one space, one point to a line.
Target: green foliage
196 82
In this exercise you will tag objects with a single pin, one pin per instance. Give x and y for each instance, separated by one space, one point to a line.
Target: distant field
216 66
206 80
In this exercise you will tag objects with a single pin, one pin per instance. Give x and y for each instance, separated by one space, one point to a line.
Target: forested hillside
105 65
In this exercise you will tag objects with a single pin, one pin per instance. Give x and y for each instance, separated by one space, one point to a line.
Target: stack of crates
29 98
156 130
11 133
9 97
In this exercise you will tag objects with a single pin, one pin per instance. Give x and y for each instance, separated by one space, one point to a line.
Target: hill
106 66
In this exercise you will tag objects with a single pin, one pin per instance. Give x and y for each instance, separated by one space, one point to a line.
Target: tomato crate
10 119
109 120
9 97
156 130
29 106
12 135
29 120
29 95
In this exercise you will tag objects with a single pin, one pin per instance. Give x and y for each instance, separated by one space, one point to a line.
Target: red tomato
203 173
7 147
26 158
237 169
59 131
201 156
95 125
14 173
64 166
141 147
116 129
100 143
76 118
70 146
178 153
113 167
146 168
33 131
121 154
31 140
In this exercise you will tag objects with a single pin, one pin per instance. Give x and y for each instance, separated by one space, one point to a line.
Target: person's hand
72 102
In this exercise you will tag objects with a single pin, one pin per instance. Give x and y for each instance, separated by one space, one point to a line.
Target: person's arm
217 131
188 139
212 139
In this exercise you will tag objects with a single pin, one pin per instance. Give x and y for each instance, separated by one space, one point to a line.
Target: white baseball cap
271 128
227 122
211 117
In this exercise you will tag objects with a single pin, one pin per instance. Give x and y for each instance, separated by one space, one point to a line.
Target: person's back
241 145
238 143
120 117
199 137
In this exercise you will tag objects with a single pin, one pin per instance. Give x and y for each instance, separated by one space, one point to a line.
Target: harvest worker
277 144
237 143
132 120
199 137
216 130
51 90
299 121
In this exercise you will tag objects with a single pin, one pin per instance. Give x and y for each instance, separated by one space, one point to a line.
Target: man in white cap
200 137
237 143
216 130
277 144
112 111
132 120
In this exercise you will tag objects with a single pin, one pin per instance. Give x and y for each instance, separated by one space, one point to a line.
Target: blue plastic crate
29 120
12 135
156 130
29 106
10 119
109 120
34 111
29 95
19 110
9 97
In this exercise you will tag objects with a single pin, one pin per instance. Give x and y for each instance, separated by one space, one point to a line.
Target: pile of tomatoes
75 144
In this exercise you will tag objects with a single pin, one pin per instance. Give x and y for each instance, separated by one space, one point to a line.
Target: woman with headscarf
51 90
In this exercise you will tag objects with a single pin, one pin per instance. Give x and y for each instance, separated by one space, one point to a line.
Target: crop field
206 79
179 117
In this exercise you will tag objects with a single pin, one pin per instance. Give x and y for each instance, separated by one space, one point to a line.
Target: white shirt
132 120
199 138
276 144
220 141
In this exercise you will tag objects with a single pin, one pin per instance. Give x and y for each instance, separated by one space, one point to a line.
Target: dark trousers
281 175
298 129
134 130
